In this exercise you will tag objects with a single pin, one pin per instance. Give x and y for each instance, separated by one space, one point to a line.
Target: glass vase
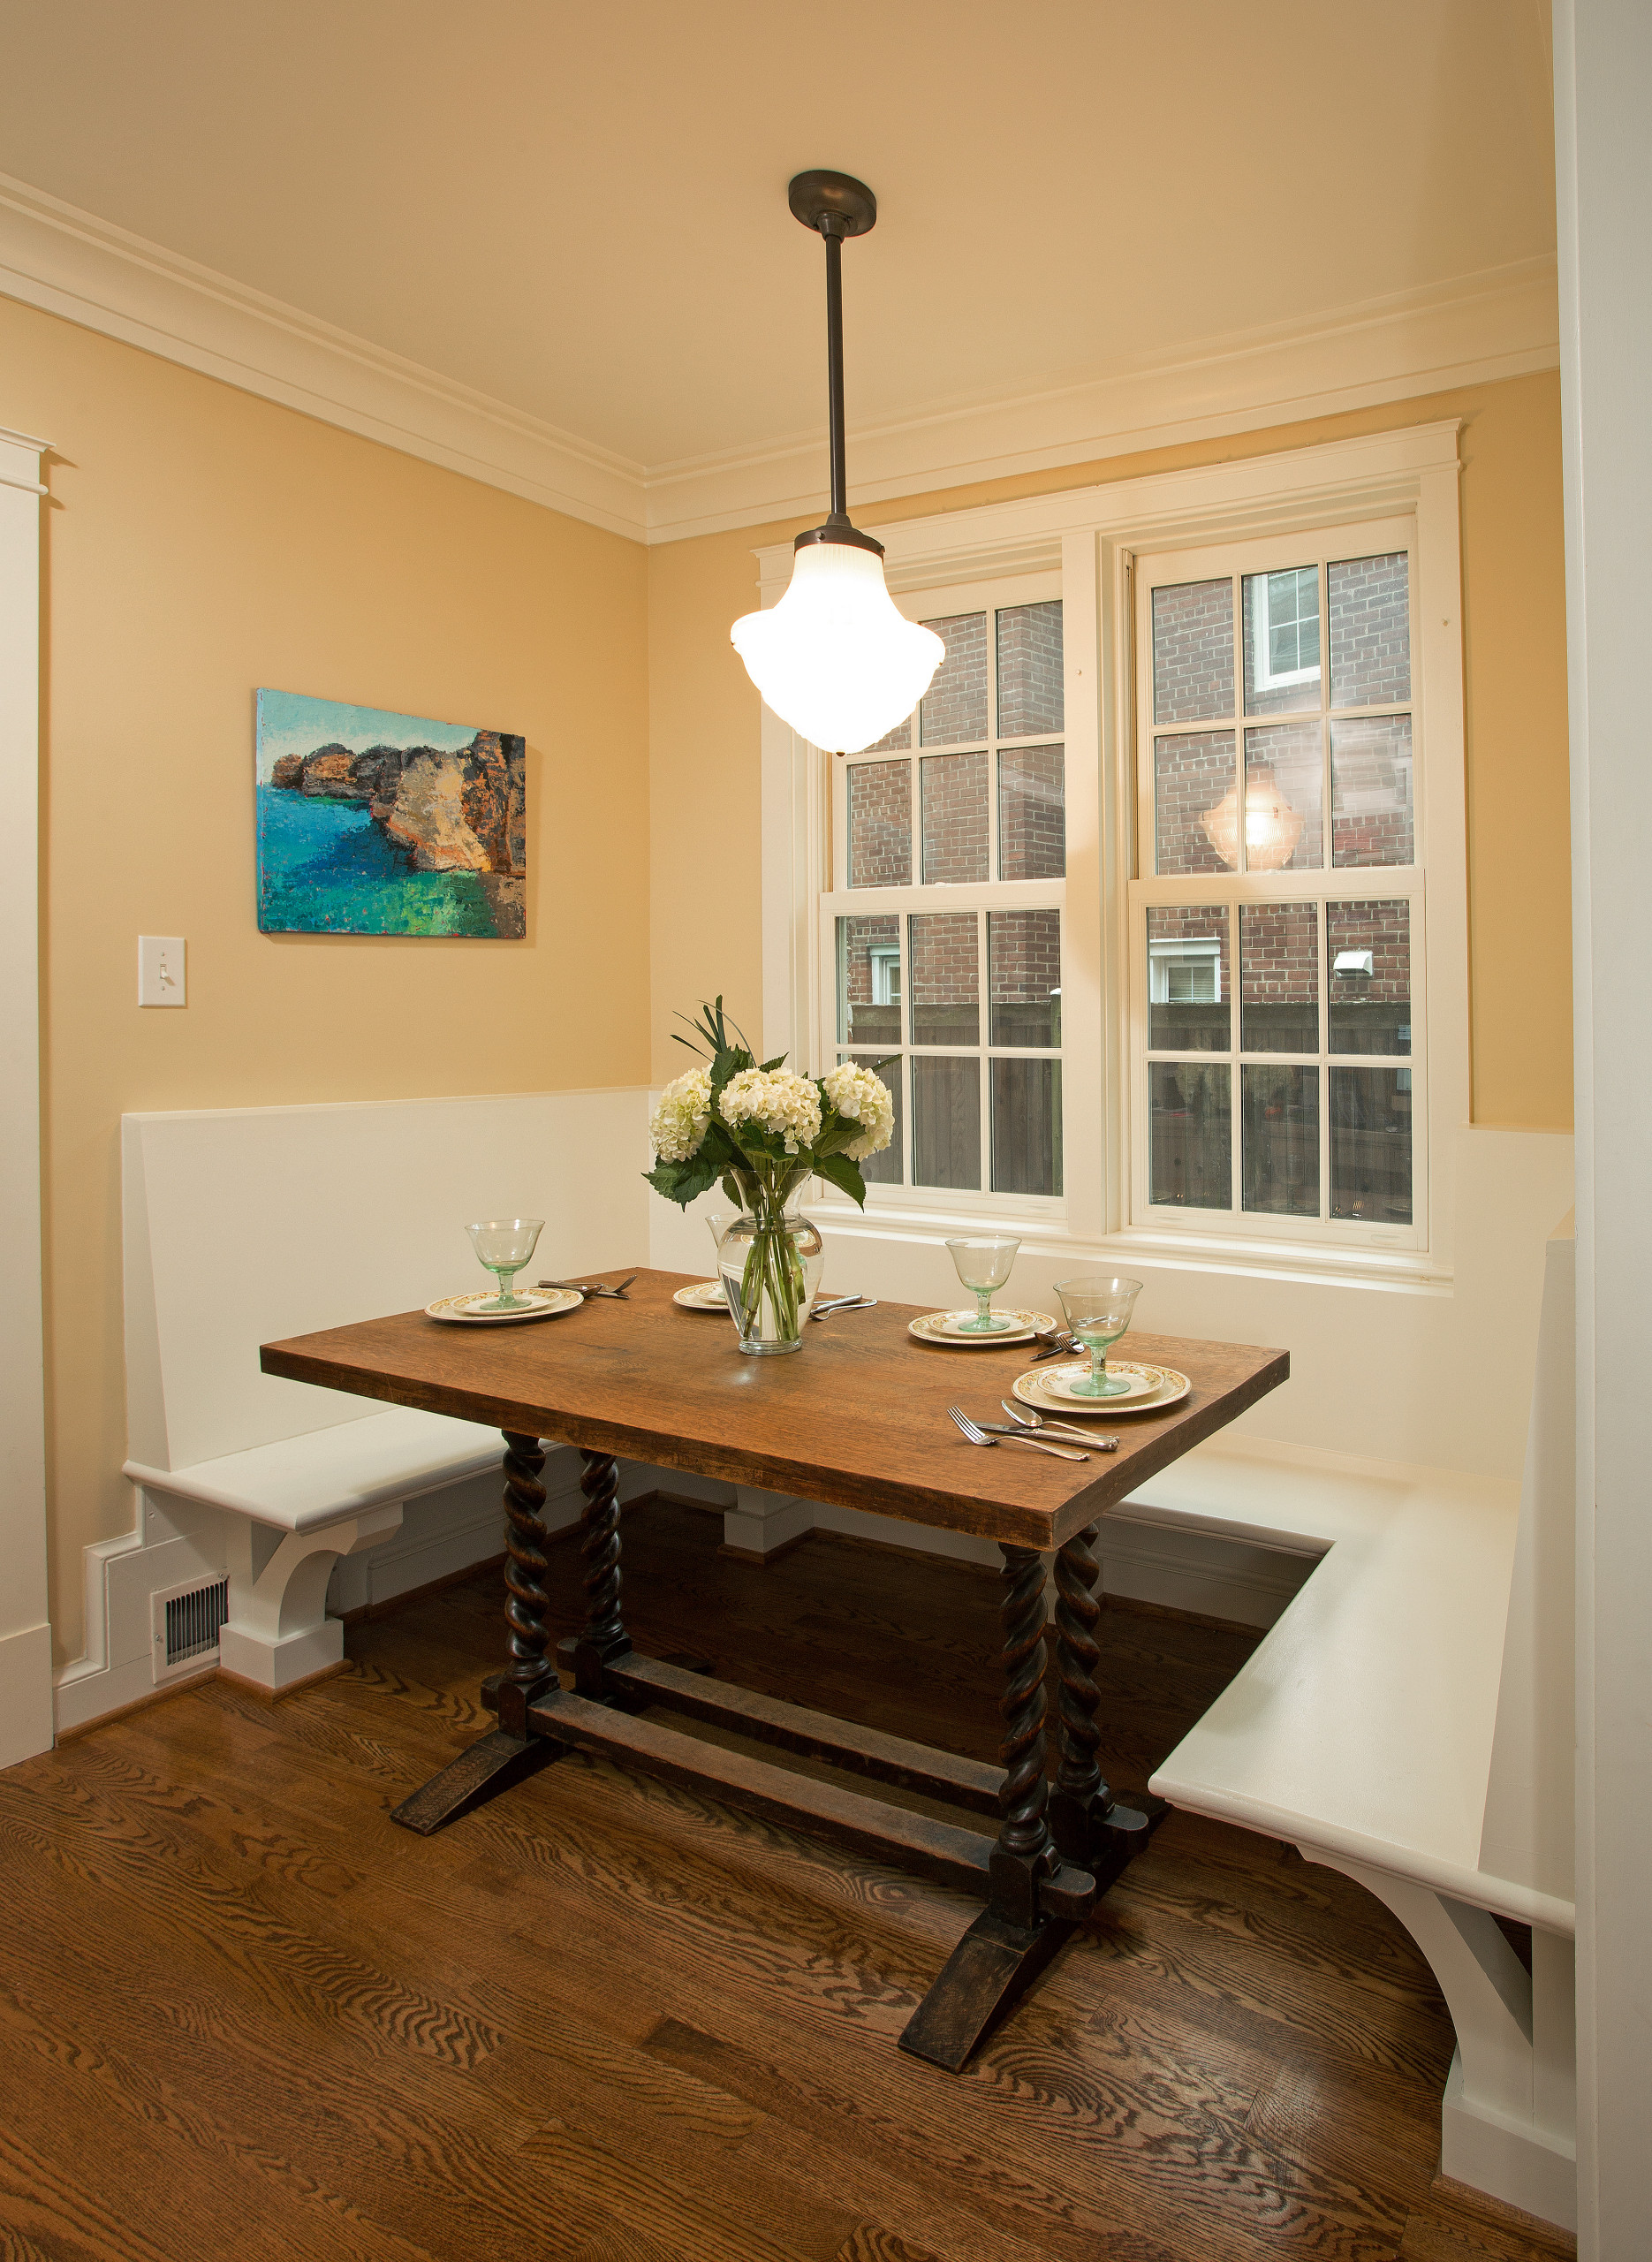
769 1260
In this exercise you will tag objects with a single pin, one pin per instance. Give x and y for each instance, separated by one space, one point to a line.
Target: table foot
492 1764
991 1967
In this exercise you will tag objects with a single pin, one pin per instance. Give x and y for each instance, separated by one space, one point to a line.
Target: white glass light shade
834 658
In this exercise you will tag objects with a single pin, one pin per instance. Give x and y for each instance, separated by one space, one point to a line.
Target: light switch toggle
160 969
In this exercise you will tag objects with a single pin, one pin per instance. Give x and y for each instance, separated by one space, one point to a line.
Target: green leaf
843 1174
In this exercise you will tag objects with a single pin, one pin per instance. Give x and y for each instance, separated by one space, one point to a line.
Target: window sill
1397 1272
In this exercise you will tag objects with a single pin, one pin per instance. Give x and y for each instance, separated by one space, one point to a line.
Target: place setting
983 1263
504 1246
1046 1401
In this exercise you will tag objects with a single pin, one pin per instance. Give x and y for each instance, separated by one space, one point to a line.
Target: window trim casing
1091 534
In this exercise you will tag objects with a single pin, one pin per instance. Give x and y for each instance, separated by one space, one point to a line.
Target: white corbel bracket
1508 2119
277 1631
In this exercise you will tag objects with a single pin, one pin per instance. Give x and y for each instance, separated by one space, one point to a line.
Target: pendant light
834 658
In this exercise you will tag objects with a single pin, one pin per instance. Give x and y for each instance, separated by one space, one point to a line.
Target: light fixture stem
834 362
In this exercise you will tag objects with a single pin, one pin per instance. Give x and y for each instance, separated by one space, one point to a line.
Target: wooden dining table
856 1418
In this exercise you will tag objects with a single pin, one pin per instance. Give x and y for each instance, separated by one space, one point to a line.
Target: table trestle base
987 1973
1054 1854
491 1764
966 1783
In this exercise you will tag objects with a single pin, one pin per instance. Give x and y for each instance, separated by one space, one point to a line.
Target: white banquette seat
244 1225
1408 1721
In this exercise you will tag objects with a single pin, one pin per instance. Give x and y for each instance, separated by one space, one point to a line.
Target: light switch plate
160 969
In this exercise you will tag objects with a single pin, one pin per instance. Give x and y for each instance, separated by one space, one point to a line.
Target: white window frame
1328 883
1092 535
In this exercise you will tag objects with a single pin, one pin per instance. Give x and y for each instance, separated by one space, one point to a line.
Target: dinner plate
705 1296
462 1312
947 1328
1034 1389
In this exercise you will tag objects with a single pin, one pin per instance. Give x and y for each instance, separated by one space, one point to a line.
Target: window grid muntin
919 898
1323 883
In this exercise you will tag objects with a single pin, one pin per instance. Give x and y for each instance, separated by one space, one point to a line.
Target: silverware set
591 1287
991 1433
1025 1427
842 1303
1059 1343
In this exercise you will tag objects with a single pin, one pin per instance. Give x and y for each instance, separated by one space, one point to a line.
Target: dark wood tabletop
856 1418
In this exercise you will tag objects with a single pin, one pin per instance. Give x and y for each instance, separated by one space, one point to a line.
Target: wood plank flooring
601 2021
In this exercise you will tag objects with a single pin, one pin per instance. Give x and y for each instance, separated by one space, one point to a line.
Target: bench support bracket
277 1631
1508 2119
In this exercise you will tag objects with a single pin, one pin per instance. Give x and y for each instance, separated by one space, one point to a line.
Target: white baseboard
25 1725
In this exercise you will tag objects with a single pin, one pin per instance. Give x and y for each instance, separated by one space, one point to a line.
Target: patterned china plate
705 1296
1153 1389
947 1328
462 1309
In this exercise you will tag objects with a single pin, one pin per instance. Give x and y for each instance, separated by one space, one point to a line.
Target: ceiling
580 211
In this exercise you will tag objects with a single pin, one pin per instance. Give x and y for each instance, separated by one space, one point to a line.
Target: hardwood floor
605 2022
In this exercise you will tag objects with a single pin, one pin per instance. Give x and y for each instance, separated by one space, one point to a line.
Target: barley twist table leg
527 1600
1025 1850
604 1637
1079 1789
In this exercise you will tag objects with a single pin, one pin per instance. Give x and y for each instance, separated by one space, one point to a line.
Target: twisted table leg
527 1600
604 1637
1025 1850
511 1752
1079 1789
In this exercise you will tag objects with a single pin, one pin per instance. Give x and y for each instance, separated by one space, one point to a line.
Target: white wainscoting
1428 1378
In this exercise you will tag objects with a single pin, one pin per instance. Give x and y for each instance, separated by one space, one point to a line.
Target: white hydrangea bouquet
759 1129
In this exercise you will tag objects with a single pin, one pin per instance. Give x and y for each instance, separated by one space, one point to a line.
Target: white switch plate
160 969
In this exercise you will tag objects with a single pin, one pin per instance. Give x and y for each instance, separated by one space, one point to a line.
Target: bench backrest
243 1225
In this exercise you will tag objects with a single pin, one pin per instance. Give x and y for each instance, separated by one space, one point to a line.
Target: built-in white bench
242 1224
1408 1721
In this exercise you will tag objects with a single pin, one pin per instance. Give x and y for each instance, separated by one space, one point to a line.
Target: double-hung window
1277 917
941 942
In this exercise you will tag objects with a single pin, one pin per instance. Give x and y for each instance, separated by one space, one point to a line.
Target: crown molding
1501 323
69 263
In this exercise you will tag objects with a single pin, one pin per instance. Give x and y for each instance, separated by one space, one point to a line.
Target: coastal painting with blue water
375 823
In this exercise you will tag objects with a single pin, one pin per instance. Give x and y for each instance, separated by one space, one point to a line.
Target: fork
591 1288
1028 1417
1056 1343
977 1436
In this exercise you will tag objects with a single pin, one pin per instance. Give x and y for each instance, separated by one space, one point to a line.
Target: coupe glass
504 1246
983 1264
1098 1309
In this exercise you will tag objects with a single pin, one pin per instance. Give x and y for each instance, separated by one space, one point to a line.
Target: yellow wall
201 542
704 759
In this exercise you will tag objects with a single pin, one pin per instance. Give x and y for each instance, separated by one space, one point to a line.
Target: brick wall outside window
879 824
954 803
954 708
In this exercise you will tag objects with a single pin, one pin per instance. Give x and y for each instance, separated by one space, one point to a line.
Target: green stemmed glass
983 1264
1098 1307
504 1246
